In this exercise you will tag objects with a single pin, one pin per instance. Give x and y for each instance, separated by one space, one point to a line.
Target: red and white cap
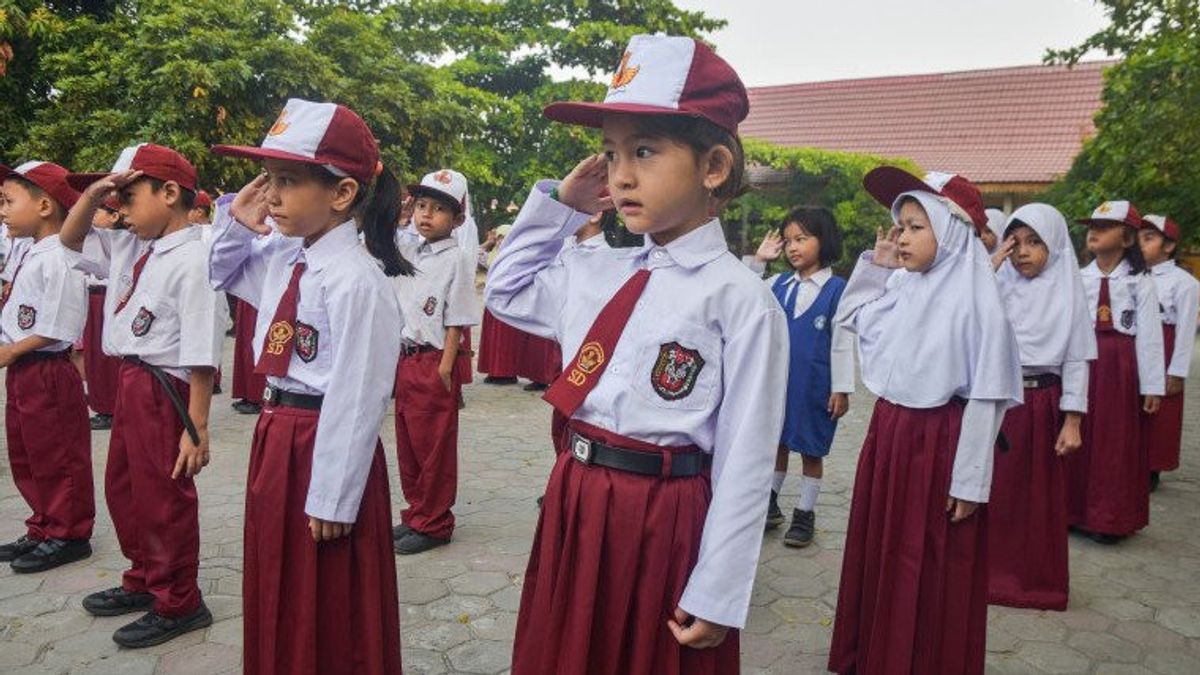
155 161
48 176
326 134
886 183
446 183
1114 213
1168 227
666 75
203 200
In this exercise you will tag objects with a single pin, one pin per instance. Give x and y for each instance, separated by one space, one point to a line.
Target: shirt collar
694 249
46 243
175 239
439 245
819 278
330 244
1164 267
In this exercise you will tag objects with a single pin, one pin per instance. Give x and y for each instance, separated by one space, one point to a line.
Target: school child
1178 298
993 234
937 351
1046 305
652 521
319 588
821 363
161 319
101 371
437 303
41 313
1108 484
201 212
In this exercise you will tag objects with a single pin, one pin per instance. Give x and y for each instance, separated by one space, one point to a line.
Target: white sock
777 481
810 489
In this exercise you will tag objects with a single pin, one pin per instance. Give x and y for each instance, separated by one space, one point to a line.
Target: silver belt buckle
581 448
267 395
1031 383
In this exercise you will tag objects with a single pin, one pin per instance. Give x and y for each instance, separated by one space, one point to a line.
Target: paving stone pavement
1135 607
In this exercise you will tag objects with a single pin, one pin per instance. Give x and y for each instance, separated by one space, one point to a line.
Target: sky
788 41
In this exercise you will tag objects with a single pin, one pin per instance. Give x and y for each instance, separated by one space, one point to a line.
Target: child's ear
46 206
717 166
344 194
460 219
1169 247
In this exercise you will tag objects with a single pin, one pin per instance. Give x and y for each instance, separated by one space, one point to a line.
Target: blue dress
807 427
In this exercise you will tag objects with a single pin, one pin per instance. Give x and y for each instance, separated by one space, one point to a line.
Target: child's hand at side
960 509
327 530
1150 404
1070 438
692 631
839 403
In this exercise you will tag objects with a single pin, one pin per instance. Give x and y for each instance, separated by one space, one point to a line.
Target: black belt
413 350
164 378
1041 381
97 290
280 397
30 357
682 464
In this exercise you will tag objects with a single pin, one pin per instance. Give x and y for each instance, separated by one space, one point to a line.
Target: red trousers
50 447
155 516
1162 432
427 443
309 608
99 368
246 385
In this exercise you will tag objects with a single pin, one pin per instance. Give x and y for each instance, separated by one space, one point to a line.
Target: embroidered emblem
430 306
1104 208
675 372
624 74
591 357
1127 319
819 322
442 177
1104 314
281 125
142 322
26 317
278 336
307 342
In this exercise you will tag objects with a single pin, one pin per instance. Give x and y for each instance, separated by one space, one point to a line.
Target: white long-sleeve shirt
1135 312
700 298
346 346
1179 299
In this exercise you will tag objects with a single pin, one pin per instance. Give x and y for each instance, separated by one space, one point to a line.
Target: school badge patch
591 357
26 317
307 342
430 306
1127 317
142 322
675 372
820 322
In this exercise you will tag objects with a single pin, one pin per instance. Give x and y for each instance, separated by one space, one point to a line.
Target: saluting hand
95 194
585 189
692 631
250 208
887 251
770 249
1003 252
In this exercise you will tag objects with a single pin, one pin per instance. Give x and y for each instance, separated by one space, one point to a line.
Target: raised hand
887 251
250 208
585 189
771 247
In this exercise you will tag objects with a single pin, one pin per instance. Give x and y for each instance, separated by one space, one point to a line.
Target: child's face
1107 238
22 210
657 185
434 218
803 250
148 212
303 205
1155 247
104 219
917 243
989 239
1030 254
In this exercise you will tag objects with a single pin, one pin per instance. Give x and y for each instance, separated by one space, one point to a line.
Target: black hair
1132 253
378 209
38 193
455 207
701 135
818 222
186 197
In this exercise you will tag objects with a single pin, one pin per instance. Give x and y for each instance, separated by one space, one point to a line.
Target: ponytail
378 222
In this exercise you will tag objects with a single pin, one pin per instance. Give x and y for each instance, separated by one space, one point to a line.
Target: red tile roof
1005 125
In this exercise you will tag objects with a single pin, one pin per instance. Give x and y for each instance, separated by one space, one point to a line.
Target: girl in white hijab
936 349
1045 302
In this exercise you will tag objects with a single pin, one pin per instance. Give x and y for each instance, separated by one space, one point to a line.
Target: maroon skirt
913 592
611 556
100 370
539 360
309 608
499 347
1027 513
246 385
1108 480
1162 432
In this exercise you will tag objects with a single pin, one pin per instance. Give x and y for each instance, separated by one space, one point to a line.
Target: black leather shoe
100 422
117 601
52 553
416 542
400 531
536 386
775 516
153 629
800 534
499 380
11 551
1155 478
245 407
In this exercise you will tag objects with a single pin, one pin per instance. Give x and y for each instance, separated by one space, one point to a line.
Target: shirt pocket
147 315
312 344
679 368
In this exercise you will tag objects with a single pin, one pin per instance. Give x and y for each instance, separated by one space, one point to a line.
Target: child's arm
449 354
462 309
971 477
192 457
78 222
237 259
1151 360
1187 308
868 281
10 353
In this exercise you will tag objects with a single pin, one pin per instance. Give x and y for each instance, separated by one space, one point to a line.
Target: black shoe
416 542
229 332
117 601
244 407
11 551
775 516
1154 479
400 531
499 380
153 629
536 386
1106 539
539 501
100 422
800 534
52 553
217 389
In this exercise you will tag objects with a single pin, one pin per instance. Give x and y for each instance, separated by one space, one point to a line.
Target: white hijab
941 333
1048 313
996 223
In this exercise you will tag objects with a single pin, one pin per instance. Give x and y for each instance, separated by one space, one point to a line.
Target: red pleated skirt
913 592
1162 432
499 347
100 370
611 557
1027 512
314 609
246 385
539 360
1108 480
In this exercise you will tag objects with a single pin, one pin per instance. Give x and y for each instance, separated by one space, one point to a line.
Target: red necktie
9 286
281 334
580 377
137 273
1104 308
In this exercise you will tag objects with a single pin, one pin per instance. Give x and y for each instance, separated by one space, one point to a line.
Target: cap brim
593 114
1108 222
418 189
255 152
886 183
6 172
81 181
